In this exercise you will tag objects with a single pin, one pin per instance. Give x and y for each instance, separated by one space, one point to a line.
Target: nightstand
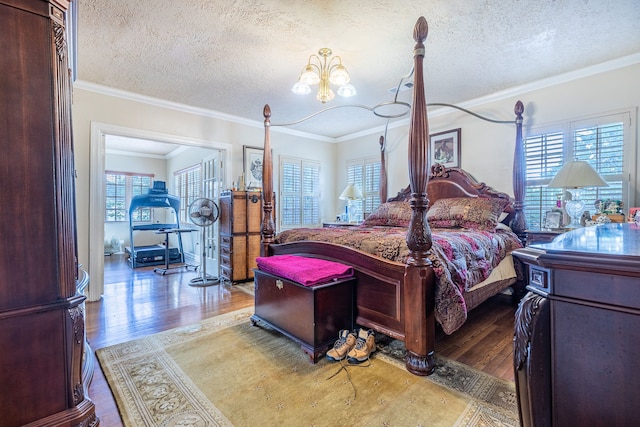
543 236
340 224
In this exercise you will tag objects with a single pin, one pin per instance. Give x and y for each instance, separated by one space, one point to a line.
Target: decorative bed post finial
421 30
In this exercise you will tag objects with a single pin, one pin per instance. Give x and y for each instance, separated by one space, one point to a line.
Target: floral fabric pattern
461 258
467 212
392 214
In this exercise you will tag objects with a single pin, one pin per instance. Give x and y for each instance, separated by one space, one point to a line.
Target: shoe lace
343 367
339 343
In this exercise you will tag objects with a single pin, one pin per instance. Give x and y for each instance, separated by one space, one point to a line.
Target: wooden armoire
240 218
42 336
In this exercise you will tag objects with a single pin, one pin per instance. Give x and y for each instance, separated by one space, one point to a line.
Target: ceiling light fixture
324 69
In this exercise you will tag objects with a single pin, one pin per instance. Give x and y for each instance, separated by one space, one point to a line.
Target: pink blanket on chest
307 271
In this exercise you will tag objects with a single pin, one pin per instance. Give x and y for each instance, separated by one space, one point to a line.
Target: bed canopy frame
419 277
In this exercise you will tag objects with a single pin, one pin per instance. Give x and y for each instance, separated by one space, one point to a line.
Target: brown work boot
365 345
346 341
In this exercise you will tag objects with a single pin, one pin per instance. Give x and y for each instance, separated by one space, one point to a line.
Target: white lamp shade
577 174
325 97
351 192
339 76
309 76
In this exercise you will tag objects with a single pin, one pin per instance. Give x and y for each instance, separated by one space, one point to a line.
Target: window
600 141
188 187
365 174
300 192
120 188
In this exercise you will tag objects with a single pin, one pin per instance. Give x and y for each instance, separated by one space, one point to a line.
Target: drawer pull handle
279 284
538 278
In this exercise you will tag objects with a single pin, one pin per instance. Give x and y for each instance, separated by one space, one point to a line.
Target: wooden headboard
455 182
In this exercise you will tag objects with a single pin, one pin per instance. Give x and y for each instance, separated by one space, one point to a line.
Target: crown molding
184 108
496 96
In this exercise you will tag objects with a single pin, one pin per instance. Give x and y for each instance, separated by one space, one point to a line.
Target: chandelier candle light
574 176
324 69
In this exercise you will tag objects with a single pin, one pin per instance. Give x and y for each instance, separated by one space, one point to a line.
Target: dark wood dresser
577 331
42 335
240 218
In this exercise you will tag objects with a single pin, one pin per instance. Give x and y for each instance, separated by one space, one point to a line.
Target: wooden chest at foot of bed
310 315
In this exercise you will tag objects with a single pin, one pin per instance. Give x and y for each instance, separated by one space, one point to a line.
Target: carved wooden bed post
419 320
518 224
383 172
267 228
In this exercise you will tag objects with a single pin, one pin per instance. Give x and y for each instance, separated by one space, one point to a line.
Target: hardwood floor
139 302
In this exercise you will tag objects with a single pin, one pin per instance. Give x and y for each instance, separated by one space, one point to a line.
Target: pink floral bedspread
461 258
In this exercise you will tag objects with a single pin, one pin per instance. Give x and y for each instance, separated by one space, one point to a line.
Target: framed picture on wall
444 148
252 158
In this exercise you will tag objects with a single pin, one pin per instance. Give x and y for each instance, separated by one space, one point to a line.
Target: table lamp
351 193
574 176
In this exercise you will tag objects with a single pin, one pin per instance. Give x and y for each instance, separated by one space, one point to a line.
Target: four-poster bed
397 296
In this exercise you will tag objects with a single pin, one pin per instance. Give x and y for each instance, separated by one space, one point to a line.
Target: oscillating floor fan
204 213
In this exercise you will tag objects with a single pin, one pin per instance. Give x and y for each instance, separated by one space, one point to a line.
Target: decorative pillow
393 214
467 212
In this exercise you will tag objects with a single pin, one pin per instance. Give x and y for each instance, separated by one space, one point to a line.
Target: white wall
161 118
487 149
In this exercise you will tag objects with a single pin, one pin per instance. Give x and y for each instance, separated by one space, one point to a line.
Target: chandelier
324 69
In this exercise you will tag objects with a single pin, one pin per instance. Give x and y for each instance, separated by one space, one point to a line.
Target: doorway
177 150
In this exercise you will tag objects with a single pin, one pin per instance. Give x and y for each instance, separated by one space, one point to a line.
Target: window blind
365 174
300 192
544 158
188 187
120 187
599 140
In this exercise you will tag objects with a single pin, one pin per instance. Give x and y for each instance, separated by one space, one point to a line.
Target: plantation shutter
120 187
602 145
599 141
291 203
355 176
310 193
300 192
371 191
543 158
188 185
365 175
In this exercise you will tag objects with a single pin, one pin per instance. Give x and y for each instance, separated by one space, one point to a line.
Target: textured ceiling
235 56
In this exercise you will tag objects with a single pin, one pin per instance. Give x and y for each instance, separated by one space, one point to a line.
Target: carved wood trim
525 316
383 171
267 228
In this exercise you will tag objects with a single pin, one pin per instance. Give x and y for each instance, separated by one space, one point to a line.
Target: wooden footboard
379 284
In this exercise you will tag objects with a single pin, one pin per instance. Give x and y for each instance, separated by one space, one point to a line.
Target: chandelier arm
330 66
318 69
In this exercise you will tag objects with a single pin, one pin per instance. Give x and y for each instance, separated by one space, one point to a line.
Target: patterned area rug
225 372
